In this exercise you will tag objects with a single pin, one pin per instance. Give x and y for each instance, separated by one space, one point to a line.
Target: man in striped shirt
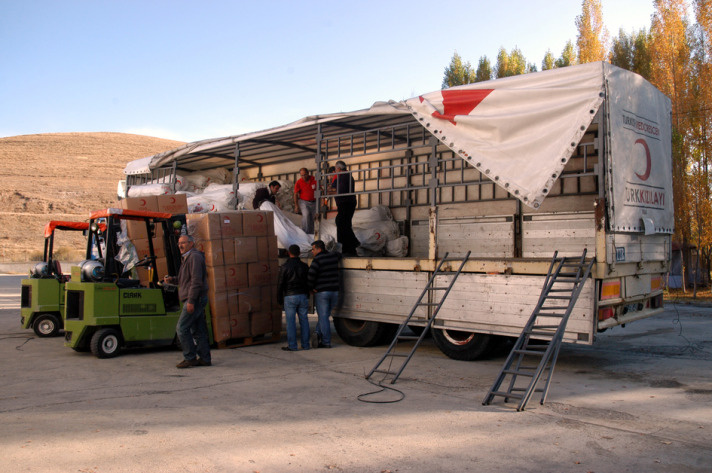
324 281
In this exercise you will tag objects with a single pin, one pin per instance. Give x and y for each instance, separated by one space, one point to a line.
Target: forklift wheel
46 325
106 343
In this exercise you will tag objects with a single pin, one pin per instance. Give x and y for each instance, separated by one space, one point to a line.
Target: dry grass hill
61 176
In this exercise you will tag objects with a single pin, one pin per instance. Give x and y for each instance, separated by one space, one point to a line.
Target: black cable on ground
361 397
692 347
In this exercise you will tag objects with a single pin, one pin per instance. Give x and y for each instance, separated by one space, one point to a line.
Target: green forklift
107 307
42 294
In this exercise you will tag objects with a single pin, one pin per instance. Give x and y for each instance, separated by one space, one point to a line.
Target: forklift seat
126 283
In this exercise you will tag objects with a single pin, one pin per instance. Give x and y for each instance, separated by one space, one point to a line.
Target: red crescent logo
261 218
232 271
646 175
173 200
143 202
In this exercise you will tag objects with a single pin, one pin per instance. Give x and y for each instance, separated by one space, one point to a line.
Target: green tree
548 62
458 73
484 70
622 48
510 64
568 56
642 61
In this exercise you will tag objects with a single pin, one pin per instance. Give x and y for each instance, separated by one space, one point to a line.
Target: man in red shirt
304 200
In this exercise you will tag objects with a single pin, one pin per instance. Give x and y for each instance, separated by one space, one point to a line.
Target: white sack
149 189
397 248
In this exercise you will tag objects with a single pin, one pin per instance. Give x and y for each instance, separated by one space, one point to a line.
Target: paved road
640 399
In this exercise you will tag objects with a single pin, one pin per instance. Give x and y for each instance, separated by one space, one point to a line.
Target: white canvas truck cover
521 131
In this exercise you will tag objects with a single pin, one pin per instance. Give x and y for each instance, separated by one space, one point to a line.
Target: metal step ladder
537 348
430 293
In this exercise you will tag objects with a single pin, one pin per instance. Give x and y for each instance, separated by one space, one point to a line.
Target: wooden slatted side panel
485 237
386 296
501 304
486 303
567 233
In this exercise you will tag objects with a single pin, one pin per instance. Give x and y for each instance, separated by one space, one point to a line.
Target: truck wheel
362 333
106 343
460 345
46 325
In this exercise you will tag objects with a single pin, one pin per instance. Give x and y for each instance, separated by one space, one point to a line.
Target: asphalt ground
639 399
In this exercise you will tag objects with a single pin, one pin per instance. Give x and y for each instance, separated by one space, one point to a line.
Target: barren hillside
60 176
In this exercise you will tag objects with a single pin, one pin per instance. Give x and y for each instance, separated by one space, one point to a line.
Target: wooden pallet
249 341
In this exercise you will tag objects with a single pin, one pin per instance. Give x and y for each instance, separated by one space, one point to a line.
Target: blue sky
190 70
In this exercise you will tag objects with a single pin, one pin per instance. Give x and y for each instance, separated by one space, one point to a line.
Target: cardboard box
213 250
172 204
229 250
221 328
240 325
274 272
261 323
277 321
259 274
216 279
236 276
249 299
269 297
204 226
246 250
269 216
231 224
136 230
273 247
142 249
262 248
218 304
149 203
254 223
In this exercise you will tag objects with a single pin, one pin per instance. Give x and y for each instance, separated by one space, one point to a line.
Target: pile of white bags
211 191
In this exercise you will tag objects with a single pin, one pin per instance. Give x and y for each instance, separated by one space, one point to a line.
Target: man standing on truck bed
193 293
304 200
345 206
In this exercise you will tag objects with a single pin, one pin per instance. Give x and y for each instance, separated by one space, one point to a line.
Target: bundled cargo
241 257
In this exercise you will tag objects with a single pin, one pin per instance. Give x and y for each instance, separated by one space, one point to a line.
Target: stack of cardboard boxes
241 257
136 230
241 260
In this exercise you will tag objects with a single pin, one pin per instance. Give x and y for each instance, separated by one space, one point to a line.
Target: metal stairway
530 358
430 288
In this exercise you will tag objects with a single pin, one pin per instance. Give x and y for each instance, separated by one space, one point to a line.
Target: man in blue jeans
193 293
293 294
324 280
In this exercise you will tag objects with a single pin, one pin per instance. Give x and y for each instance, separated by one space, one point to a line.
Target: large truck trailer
510 170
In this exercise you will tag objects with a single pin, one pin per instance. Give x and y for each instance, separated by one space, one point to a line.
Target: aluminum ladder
430 292
530 358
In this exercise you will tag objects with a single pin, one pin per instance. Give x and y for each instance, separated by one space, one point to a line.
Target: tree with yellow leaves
592 34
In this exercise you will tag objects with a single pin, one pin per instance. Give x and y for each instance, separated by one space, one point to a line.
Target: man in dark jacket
193 293
266 193
345 208
293 294
324 280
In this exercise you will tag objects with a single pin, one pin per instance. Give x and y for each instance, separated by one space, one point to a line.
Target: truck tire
46 325
466 346
363 333
106 343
